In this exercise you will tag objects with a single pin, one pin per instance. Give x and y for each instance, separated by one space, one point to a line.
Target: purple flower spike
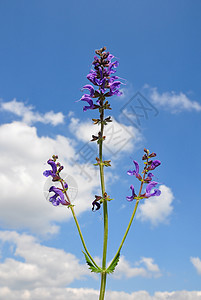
51 172
149 188
58 197
135 172
130 198
101 76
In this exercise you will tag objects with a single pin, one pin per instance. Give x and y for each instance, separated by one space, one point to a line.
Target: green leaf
113 265
91 265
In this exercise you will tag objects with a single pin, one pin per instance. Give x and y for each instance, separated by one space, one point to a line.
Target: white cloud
34 271
173 101
157 209
145 268
41 266
29 116
91 294
149 263
196 261
23 159
119 137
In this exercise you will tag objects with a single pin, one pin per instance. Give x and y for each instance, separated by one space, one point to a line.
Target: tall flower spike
107 85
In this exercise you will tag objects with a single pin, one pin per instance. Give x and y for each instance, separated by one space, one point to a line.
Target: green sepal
113 265
93 268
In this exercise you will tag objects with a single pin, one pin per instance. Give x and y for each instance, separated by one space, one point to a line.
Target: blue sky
46 52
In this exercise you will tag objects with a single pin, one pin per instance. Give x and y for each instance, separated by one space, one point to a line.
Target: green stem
103 286
105 238
81 236
130 222
127 230
78 228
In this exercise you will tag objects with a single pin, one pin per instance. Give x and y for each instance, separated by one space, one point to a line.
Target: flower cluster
58 197
146 178
107 84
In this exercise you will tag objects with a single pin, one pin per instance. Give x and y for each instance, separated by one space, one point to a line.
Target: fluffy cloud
173 101
145 268
31 271
119 137
38 265
23 159
157 209
91 294
196 263
27 114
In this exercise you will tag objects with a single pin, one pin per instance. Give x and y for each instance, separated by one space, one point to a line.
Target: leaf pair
109 270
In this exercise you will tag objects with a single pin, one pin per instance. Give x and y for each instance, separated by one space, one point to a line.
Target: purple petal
150 186
58 197
85 97
47 173
110 57
91 105
130 198
115 85
156 192
90 88
150 175
53 165
136 166
129 172
155 164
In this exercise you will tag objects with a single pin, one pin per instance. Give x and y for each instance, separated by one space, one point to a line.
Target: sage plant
105 85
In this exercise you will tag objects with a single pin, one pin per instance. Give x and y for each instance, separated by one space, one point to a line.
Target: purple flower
96 203
130 198
135 172
149 188
58 197
88 99
52 172
154 164
90 88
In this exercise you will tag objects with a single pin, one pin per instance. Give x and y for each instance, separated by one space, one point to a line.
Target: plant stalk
130 222
105 212
78 228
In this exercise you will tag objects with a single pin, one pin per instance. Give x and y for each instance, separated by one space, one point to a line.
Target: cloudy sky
46 52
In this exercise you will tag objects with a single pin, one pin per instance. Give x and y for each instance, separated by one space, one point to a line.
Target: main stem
105 239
